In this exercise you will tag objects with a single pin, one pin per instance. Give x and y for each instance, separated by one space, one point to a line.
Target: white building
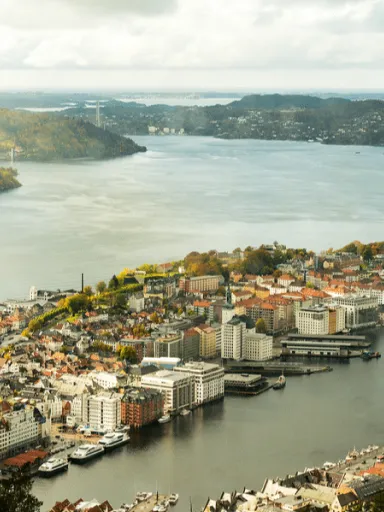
105 380
103 412
18 431
360 311
178 389
33 293
232 336
227 313
136 302
257 347
79 407
313 320
208 380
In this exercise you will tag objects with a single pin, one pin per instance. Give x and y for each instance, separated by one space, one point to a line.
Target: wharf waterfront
273 368
149 504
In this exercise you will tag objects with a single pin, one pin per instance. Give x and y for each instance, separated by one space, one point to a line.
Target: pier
273 368
149 504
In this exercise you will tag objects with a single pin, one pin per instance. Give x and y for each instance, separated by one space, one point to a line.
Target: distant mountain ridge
46 137
281 101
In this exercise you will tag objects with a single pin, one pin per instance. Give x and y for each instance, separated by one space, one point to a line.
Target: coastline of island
8 179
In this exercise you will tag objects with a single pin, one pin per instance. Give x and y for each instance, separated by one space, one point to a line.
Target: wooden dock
148 505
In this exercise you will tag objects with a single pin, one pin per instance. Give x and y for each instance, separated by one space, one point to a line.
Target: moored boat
280 383
86 452
113 440
53 466
165 419
185 412
173 499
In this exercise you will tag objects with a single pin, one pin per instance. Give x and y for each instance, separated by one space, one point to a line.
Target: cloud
192 35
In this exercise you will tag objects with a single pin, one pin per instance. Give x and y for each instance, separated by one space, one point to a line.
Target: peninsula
8 180
45 137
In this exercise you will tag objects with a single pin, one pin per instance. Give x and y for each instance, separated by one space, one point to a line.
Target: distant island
46 137
260 116
8 180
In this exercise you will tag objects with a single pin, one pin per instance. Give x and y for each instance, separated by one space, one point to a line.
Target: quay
273 368
149 504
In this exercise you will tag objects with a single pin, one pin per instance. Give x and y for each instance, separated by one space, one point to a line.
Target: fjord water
239 441
184 194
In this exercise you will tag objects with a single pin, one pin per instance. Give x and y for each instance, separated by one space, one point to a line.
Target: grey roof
346 499
368 486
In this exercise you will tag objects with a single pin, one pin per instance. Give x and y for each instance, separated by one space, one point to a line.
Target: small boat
86 452
185 412
143 496
165 419
161 507
113 440
328 465
368 355
53 466
173 499
280 383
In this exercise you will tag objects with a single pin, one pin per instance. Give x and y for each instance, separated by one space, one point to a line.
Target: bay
184 194
239 441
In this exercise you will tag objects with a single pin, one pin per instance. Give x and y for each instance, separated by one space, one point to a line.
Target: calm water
184 194
239 441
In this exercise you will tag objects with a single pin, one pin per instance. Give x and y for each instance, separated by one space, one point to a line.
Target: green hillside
8 179
45 137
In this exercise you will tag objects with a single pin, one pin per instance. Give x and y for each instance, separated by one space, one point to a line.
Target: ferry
280 383
113 440
86 452
173 499
165 419
53 466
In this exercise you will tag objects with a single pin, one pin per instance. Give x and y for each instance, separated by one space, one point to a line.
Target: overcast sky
192 44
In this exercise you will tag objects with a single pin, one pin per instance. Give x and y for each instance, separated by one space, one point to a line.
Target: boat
185 412
161 507
86 452
280 383
165 419
143 496
173 499
53 466
113 440
368 355
328 465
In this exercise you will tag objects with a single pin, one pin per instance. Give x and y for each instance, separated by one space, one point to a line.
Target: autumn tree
88 291
367 253
128 354
261 326
101 287
113 283
77 303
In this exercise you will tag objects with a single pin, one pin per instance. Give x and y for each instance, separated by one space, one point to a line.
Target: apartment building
19 430
168 345
232 336
190 345
207 341
257 347
208 380
177 389
141 407
103 412
320 320
200 284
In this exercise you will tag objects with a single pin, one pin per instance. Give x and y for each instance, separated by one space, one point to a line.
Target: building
320 320
165 363
177 389
103 412
168 345
232 336
200 284
136 302
201 307
190 345
141 407
360 311
208 380
257 347
207 335
19 430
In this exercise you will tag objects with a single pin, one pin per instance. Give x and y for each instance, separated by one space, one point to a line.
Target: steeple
229 294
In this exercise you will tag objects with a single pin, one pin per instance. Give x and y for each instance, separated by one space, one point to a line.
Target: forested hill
285 101
46 137
8 179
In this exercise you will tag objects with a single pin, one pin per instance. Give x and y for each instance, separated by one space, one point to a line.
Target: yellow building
207 341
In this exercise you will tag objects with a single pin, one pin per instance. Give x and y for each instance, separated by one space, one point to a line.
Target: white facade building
18 431
105 380
313 320
227 313
136 302
103 412
257 347
33 293
360 311
232 336
208 380
178 389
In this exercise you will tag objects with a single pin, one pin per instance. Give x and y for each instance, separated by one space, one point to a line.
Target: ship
113 440
165 419
86 452
368 355
53 466
280 383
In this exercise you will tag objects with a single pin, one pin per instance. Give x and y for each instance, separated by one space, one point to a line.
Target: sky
192 44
